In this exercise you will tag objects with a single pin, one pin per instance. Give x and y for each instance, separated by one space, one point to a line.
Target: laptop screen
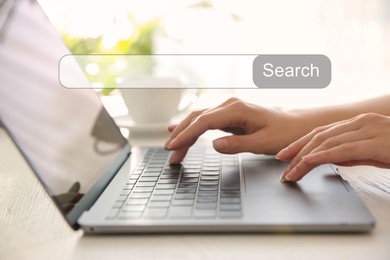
66 135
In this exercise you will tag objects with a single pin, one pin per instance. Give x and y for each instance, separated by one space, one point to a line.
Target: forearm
311 118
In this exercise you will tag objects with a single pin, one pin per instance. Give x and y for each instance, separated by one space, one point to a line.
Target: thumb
234 144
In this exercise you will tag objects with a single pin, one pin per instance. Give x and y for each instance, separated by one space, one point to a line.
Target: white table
32 228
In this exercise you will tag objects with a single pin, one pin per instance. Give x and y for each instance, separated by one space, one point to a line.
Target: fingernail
290 176
167 143
220 144
172 144
282 177
282 153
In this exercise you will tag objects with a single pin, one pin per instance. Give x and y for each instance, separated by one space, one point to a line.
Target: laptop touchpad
263 176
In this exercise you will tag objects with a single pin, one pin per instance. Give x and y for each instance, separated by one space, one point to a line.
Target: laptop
102 184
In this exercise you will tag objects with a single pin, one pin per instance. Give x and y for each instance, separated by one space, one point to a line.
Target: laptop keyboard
205 186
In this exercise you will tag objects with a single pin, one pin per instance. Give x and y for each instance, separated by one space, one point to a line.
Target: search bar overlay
222 71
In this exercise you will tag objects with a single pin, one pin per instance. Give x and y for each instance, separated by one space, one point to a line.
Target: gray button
292 71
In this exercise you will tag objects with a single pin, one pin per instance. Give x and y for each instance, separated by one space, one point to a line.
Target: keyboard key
134 177
206 205
182 196
165 186
146 184
230 207
207 199
122 198
131 181
230 214
192 167
186 190
125 192
203 187
211 164
209 178
130 215
180 212
190 175
137 172
133 208
164 192
189 180
208 183
192 156
212 156
173 167
211 169
230 200
148 179
143 189
156 213
212 173
159 204
117 204
128 187
171 171
152 174
191 171
168 181
190 162
137 202
169 176
208 193
161 198
182 202
140 195
205 213
230 178
151 169
155 164
112 213
188 185
230 193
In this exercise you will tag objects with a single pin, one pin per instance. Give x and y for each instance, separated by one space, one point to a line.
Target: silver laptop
103 185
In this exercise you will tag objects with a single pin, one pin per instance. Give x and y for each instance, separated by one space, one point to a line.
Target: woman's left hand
362 140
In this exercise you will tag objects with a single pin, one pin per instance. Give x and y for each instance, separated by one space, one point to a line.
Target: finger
182 125
187 121
236 144
346 152
297 173
293 149
350 151
170 128
327 138
178 156
231 115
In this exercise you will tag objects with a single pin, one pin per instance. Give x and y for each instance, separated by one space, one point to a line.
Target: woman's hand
255 129
362 140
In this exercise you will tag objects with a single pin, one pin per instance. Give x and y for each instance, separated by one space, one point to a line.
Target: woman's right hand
254 129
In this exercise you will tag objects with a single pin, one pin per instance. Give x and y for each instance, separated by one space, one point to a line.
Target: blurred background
354 34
